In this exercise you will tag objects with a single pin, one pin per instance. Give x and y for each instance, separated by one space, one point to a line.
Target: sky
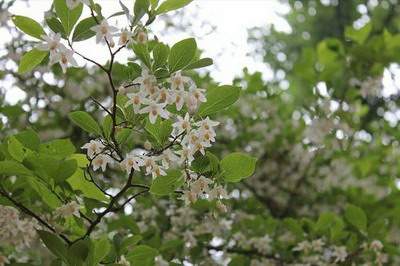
226 44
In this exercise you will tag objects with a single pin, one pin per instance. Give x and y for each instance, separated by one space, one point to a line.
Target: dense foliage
149 163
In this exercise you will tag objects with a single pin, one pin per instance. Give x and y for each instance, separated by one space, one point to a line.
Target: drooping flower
146 81
183 124
125 37
131 162
207 124
104 32
93 148
101 161
67 210
178 81
201 185
168 157
178 97
186 154
141 37
64 56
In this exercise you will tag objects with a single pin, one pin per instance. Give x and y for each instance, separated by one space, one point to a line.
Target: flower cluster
15 231
188 136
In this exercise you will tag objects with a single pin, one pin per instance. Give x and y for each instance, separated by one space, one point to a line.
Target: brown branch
26 210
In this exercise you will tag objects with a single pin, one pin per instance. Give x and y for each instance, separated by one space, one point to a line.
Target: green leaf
142 53
142 255
218 99
59 148
107 126
200 63
56 26
98 251
356 216
164 185
85 121
78 252
68 17
28 26
54 243
237 166
16 149
13 168
160 131
82 30
30 60
29 139
182 53
44 192
140 9
170 5
78 183
358 35
160 55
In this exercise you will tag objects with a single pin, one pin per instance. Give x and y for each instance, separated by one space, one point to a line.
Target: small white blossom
218 192
178 97
125 37
201 185
52 43
183 124
146 80
104 32
186 154
131 162
339 253
93 148
154 110
168 157
136 100
64 56
178 81
101 161
67 210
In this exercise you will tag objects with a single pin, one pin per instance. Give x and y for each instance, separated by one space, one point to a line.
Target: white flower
136 100
131 162
149 163
74 3
197 94
52 43
63 56
178 81
376 245
146 80
101 161
141 37
183 124
302 246
125 37
178 97
155 110
168 157
218 192
123 261
201 185
93 148
221 207
317 245
189 197
104 31
163 96
340 253
67 210
207 136
207 124
200 146
186 154
157 171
